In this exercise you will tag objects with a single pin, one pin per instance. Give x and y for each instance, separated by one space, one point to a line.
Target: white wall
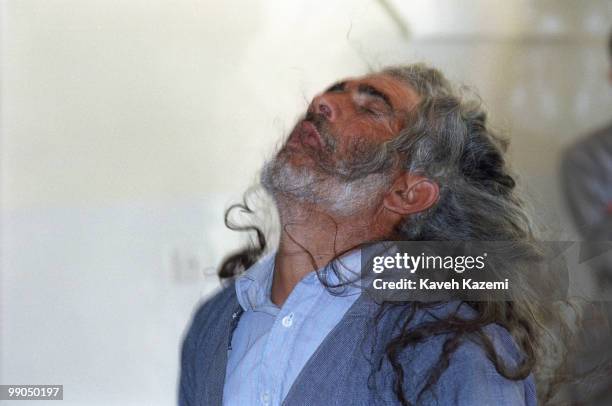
128 126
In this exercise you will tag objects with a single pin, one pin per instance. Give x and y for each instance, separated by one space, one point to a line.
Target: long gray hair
450 141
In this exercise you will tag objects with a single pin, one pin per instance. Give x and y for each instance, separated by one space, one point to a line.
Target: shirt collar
254 286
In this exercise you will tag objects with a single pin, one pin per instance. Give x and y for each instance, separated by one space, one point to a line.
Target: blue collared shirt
271 345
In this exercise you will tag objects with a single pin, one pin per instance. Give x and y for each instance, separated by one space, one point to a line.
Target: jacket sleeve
471 379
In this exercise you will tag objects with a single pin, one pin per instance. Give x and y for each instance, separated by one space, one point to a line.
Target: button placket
280 340
287 321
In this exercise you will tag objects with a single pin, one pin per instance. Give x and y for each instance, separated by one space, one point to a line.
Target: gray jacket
340 370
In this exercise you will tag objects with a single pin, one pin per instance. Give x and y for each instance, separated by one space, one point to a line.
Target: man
586 175
393 155
586 170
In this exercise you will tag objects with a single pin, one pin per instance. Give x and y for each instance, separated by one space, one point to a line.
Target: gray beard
333 195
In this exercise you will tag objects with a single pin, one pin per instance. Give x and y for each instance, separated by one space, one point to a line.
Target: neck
311 238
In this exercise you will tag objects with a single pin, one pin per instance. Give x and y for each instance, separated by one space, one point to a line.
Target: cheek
356 136
361 149
373 129
357 147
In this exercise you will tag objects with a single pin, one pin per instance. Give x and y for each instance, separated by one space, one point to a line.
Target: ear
410 194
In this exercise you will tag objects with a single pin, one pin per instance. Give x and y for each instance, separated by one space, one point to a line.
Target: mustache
318 120
374 159
313 117
321 124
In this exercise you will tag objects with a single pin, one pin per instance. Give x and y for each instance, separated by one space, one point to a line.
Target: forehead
401 95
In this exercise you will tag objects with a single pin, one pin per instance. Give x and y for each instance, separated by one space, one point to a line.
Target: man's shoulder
217 307
602 132
472 376
470 373
596 136
222 299
581 150
500 338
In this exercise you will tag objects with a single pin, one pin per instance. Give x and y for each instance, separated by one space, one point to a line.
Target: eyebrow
372 91
363 89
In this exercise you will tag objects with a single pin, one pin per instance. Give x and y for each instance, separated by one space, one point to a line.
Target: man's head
400 144
335 157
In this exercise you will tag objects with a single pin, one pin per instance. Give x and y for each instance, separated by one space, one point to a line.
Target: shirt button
288 320
265 398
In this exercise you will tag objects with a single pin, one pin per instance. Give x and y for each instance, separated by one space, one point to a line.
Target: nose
322 105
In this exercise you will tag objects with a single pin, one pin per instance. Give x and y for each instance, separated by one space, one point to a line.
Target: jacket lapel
327 351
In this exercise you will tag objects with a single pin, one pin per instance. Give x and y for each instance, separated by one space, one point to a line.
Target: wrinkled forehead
401 95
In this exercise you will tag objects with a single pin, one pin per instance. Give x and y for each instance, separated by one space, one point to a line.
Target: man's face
348 121
341 131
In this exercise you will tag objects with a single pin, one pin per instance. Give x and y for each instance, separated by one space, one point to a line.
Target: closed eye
371 91
370 111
